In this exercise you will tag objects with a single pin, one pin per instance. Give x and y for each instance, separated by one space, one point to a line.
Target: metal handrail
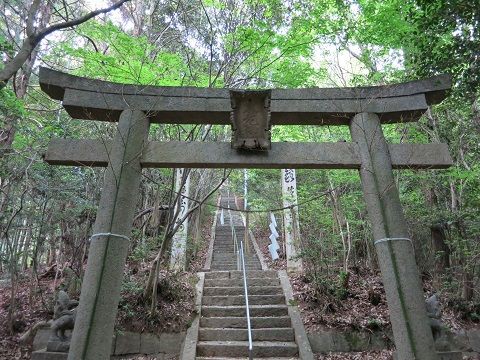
247 307
241 266
234 239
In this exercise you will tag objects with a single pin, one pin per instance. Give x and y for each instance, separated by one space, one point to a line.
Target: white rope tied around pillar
109 234
392 239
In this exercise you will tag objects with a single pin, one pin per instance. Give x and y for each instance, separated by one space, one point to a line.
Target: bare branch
72 23
33 39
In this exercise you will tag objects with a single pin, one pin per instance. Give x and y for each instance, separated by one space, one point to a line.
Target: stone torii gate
251 114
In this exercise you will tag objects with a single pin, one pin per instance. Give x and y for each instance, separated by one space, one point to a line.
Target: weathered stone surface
58 346
41 338
341 155
149 343
291 224
54 84
100 294
262 349
326 341
250 119
124 345
127 343
171 343
447 355
461 341
399 102
450 355
357 341
47 355
474 339
63 321
411 330
378 341
321 342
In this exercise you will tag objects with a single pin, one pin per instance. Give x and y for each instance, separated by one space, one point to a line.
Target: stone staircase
224 257
222 330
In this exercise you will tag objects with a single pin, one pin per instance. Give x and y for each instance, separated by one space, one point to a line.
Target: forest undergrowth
358 302
174 310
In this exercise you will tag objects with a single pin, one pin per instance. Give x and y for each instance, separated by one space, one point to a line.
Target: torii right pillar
396 257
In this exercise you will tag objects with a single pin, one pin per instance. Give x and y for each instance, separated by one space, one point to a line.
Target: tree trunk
468 286
441 252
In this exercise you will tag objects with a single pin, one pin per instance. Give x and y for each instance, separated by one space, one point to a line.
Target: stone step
239 282
227 230
240 300
227 238
224 233
234 267
233 263
240 311
240 348
229 246
241 322
230 255
221 240
228 263
268 334
230 258
229 250
238 290
239 274
233 258
244 358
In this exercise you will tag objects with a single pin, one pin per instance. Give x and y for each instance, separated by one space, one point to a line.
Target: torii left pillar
94 325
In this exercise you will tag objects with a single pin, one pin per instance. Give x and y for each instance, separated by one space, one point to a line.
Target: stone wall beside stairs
338 341
163 345
327 341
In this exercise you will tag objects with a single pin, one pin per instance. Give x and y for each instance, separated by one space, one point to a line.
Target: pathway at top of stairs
223 324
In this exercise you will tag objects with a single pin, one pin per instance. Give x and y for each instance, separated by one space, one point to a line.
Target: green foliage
6 48
105 51
10 106
142 250
446 40
382 23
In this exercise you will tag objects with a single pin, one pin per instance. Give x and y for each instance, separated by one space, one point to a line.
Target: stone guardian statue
63 319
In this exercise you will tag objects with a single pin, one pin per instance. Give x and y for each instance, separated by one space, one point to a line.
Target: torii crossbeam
363 109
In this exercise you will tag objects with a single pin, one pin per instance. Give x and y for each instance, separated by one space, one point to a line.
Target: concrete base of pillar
49 355
443 355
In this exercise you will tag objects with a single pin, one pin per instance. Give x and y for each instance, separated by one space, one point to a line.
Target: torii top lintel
90 99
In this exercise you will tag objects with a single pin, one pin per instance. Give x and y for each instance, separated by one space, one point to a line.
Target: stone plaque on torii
135 107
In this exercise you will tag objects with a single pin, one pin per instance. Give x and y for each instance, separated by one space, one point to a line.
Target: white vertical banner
179 241
290 218
273 247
